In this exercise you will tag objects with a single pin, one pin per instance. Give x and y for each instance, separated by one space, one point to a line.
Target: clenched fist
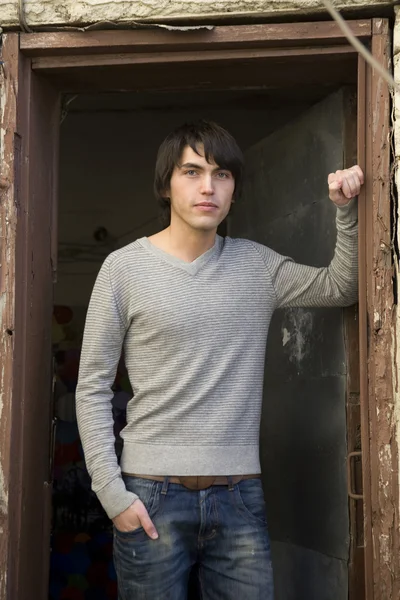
345 185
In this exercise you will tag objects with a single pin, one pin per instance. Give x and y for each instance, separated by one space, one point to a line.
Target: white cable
22 20
371 60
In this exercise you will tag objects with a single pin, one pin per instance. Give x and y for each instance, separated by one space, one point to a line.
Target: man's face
200 192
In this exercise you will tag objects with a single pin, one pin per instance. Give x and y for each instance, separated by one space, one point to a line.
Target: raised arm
336 284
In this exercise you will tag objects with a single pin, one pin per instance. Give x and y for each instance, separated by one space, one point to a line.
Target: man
192 312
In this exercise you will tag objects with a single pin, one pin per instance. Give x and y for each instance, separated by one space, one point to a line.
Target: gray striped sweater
194 337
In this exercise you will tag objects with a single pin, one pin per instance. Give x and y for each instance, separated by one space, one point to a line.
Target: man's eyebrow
190 165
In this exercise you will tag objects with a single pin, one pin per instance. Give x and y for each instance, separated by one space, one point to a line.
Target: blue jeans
220 531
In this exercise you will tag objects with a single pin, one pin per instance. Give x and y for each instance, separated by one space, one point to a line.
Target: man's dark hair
219 146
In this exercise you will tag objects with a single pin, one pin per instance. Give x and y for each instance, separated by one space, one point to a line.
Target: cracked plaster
78 13
396 132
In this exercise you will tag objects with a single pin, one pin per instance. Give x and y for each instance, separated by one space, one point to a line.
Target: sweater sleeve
103 339
335 285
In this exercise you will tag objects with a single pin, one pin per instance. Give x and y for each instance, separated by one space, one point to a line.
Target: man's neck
184 242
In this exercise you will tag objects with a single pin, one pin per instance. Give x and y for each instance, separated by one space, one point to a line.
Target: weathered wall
74 12
8 220
396 131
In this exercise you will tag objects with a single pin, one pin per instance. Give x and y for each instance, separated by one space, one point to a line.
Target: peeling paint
2 383
3 493
296 333
8 91
285 336
396 235
3 290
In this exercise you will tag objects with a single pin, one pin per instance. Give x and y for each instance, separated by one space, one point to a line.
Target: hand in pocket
134 517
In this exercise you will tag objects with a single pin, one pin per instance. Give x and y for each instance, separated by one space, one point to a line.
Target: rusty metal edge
361 159
356 570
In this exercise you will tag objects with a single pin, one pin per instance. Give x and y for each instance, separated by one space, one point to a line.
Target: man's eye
190 172
222 175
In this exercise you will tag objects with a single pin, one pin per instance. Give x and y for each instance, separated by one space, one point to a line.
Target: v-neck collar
189 267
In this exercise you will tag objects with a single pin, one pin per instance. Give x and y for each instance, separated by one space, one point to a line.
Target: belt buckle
196 483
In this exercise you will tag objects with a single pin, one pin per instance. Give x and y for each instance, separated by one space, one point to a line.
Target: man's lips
206 206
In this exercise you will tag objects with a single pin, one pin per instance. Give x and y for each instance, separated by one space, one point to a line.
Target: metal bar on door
362 115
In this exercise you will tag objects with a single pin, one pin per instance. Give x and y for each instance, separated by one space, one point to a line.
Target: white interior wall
106 172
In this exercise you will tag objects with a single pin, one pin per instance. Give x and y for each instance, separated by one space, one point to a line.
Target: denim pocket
250 501
149 493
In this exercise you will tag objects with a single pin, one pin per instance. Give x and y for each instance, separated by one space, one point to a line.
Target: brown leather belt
201 482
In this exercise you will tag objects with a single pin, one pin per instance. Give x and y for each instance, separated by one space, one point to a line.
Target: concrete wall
396 133
84 12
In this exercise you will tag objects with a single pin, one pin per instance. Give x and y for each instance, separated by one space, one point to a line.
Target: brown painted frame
377 309
28 202
36 69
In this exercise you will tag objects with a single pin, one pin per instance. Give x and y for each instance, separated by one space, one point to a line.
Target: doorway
269 65
106 202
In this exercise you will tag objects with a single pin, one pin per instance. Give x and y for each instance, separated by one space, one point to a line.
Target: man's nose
207 186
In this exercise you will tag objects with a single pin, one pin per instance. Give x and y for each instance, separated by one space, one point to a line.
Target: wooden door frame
87 61
29 199
377 311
